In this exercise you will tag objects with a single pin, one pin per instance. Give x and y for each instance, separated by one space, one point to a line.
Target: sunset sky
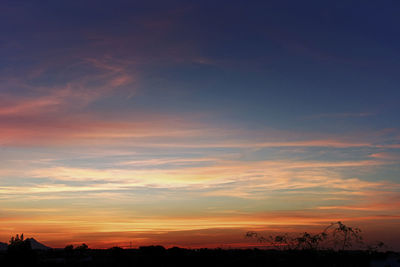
189 123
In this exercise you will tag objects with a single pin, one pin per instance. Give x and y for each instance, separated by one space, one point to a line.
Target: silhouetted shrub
19 251
69 247
336 236
82 247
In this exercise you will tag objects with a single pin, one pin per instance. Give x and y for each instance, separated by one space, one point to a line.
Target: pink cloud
386 155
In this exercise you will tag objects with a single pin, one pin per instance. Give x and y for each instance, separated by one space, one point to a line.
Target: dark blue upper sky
264 61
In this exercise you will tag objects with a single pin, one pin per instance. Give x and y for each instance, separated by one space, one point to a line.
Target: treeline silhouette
336 236
283 250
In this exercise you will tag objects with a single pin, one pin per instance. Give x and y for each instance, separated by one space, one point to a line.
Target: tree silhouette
335 236
18 244
305 241
69 249
344 236
82 247
20 252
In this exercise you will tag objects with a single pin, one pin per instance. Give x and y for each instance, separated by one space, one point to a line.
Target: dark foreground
158 256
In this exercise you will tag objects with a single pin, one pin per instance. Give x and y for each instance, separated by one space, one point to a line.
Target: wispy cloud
341 115
98 78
